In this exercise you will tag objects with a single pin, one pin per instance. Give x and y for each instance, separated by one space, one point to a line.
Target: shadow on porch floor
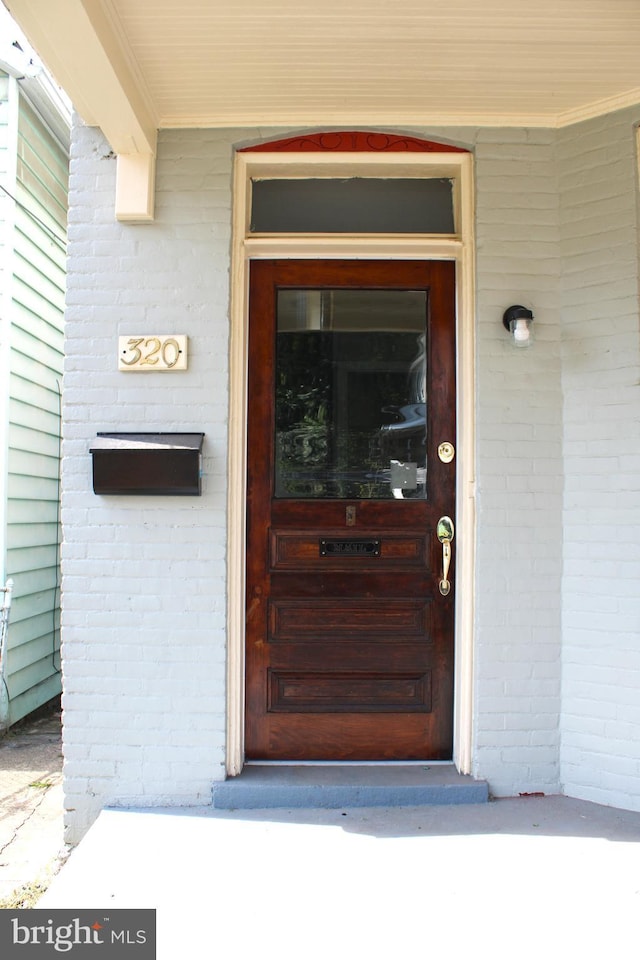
523 878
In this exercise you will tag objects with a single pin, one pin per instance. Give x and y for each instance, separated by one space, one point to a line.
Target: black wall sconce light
517 320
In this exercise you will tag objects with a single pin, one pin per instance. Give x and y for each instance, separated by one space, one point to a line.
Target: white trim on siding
7 226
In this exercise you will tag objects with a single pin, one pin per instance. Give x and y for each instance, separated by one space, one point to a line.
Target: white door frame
458 247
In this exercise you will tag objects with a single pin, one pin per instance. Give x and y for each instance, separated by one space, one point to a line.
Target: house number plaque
149 353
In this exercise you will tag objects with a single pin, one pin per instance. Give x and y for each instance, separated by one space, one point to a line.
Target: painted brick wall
144 577
601 587
519 468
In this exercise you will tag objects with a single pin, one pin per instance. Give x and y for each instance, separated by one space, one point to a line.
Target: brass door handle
445 534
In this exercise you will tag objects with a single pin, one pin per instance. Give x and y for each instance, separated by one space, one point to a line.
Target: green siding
33 533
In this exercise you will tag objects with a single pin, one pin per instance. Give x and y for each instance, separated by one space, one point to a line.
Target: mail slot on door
154 464
349 548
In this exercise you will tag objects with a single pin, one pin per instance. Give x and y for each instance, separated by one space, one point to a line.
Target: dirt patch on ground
31 822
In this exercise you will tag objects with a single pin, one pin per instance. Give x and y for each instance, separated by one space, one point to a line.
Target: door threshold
347 763
331 785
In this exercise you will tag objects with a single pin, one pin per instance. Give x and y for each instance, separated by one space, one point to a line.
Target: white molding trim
362 120
599 108
461 248
558 120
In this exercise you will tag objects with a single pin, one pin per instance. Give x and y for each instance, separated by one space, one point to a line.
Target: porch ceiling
246 62
133 66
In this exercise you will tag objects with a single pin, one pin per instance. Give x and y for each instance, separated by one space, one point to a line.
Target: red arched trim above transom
352 141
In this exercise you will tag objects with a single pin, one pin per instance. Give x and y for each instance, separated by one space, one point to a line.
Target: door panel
351 390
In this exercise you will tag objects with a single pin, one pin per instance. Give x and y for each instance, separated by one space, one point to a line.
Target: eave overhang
132 67
83 52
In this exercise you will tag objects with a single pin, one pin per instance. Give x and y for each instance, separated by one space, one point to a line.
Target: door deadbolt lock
446 452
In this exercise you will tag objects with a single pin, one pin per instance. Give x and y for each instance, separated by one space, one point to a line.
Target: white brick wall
519 476
144 578
601 586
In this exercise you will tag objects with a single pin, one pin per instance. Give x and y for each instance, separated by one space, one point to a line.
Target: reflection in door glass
351 394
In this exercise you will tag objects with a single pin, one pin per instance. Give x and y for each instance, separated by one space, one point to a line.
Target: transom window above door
352 183
352 205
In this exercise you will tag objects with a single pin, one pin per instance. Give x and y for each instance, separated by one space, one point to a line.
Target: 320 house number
152 353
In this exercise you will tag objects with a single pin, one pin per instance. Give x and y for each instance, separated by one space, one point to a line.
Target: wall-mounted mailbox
148 463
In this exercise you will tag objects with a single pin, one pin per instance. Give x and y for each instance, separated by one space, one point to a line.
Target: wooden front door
349 630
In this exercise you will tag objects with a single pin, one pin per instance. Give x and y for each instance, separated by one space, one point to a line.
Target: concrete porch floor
519 878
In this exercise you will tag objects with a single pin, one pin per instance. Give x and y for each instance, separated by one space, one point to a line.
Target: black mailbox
148 463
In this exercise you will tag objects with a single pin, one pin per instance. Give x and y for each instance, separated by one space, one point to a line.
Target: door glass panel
350 389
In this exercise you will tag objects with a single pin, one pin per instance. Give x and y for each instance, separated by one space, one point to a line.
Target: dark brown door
351 391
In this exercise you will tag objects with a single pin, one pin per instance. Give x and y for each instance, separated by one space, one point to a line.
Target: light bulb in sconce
517 320
521 330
